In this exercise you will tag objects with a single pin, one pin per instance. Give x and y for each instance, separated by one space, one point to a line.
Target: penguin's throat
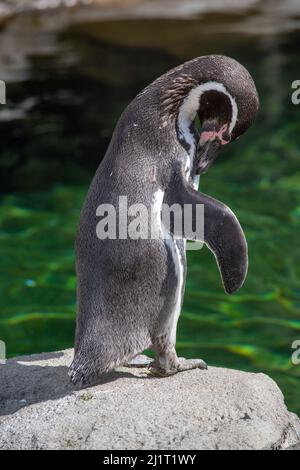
191 156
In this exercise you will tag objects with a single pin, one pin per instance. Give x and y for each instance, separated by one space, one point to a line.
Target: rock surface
214 409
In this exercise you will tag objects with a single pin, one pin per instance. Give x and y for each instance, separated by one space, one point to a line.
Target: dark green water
49 155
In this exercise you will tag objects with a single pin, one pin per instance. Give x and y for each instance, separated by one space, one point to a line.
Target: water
68 79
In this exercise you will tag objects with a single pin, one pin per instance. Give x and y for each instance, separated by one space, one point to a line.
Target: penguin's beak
211 139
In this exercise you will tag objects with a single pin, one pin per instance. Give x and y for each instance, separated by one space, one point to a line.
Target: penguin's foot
156 370
189 364
141 360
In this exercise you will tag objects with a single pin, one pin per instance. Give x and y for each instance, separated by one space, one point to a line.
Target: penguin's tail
87 368
85 371
79 374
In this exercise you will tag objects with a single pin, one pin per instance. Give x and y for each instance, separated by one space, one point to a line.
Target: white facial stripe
189 107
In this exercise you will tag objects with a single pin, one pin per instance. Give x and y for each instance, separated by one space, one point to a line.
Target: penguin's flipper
222 232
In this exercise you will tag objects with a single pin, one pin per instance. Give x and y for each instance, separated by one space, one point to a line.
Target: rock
214 409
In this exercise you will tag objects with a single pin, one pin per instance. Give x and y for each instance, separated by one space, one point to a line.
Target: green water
49 156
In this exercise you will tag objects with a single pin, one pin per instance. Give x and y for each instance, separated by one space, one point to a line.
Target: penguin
130 291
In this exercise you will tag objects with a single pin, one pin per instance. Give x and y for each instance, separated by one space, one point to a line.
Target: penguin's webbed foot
189 364
141 360
156 370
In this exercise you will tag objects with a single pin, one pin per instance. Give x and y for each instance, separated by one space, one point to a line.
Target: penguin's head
217 114
222 93
223 116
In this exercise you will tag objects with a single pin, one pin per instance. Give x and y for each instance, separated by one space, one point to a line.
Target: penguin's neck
186 130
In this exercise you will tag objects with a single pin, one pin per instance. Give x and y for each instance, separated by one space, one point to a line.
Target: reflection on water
65 93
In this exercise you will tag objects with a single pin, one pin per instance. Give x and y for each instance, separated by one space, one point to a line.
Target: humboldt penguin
130 289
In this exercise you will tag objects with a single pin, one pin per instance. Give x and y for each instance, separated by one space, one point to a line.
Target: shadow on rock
25 381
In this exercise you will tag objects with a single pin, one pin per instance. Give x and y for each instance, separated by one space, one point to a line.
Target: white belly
179 272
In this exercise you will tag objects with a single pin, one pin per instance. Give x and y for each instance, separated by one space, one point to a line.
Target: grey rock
213 409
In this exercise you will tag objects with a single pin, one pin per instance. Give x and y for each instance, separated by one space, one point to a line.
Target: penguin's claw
141 360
